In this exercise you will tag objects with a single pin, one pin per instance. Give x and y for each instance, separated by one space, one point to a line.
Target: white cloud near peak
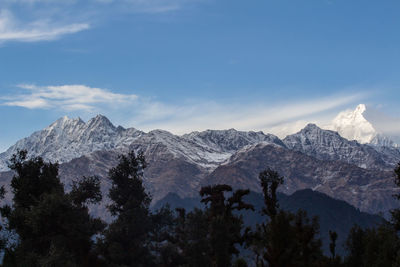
65 97
38 30
147 114
277 118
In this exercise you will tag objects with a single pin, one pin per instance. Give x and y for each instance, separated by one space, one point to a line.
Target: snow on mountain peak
367 126
360 109
67 138
311 127
352 125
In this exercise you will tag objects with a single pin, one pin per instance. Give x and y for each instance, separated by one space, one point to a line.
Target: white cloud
38 30
278 118
143 113
44 20
66 97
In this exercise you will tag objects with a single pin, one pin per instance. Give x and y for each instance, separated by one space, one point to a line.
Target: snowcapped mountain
312 158
367 126
205 149
230 140
67 138
329 145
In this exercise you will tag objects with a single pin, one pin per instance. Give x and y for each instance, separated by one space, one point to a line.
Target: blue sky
185 65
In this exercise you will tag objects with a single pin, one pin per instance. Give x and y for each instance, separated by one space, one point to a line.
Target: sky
185 65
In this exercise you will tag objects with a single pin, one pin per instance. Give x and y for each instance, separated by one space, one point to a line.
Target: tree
53 228
334 260
193 238
225 227
332 246
284 239
396 212
161 236
372 247
209 237
126 241
270 181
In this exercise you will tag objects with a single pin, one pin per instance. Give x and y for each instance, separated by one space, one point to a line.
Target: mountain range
358 171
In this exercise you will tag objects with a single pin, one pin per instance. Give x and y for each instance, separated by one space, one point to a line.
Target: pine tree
284 239
53 228
332 246
127 241
396 212
372 247
225 227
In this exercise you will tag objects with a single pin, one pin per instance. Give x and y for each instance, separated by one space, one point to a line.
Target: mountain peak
360 109
61 120
312 132
101 120
311 127
64 122
353 125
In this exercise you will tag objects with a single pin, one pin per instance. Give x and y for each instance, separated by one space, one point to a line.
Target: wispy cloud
278 118
147 114
38 30
66 97
45 20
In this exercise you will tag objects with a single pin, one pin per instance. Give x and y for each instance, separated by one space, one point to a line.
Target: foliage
127 239
372 247
285 239
225 226
53 228
396 212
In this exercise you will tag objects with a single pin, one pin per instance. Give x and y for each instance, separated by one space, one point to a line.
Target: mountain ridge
182 164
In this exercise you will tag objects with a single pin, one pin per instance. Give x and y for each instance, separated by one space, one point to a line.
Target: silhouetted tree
161 239
396 212
284 239
225 227
270 181
127 241
53 228
372 247
332 246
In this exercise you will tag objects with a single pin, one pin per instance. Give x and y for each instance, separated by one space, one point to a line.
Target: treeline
47 226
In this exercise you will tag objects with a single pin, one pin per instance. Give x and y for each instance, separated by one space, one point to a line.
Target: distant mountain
312 158
367 126
333 214
66 139
367 189
329 145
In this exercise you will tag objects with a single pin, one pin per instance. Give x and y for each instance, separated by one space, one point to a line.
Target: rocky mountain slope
329 145
66 139
313 158
368 190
